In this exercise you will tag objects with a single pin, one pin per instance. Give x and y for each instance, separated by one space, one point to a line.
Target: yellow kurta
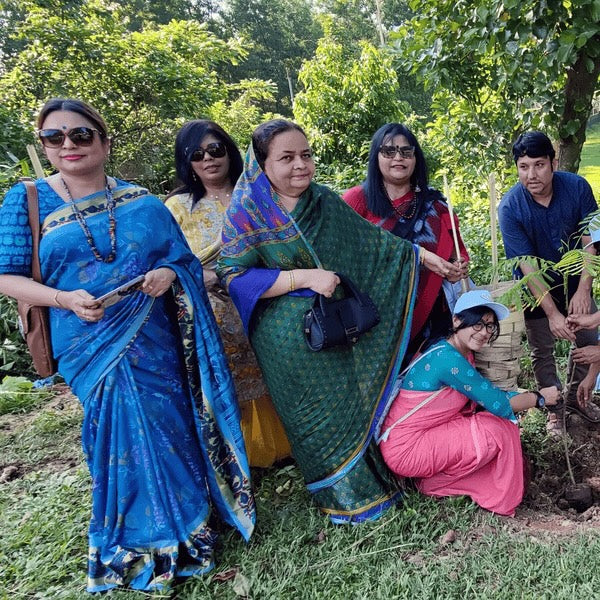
263 432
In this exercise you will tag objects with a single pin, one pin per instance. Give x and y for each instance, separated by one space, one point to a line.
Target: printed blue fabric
161 428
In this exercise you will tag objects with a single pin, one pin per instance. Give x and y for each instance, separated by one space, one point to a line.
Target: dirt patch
546 506
63 399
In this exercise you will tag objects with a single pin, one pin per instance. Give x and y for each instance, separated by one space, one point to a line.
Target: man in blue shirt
540 217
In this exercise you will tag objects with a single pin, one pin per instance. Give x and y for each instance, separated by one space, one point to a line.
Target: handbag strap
411 412
33 209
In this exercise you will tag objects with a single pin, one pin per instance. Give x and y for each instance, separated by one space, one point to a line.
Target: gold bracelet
292 282
422 255
56 301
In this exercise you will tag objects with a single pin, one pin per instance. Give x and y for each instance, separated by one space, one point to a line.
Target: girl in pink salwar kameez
436 431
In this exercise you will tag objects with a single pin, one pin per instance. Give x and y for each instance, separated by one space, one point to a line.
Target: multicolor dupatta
327 401
161 425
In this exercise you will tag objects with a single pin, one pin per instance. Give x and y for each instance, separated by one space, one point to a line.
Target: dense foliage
466 76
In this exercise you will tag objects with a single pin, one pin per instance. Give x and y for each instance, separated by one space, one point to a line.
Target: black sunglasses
391 151
80 136
216 150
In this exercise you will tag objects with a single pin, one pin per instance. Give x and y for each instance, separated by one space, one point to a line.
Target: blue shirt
530 229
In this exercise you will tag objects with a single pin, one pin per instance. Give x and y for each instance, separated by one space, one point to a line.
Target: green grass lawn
590 159
295 552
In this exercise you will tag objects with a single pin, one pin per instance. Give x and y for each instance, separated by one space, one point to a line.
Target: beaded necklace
112 223
404 212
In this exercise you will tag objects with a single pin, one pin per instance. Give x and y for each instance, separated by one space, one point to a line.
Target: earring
194 176
417 189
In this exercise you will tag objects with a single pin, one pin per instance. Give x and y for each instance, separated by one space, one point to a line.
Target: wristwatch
540 401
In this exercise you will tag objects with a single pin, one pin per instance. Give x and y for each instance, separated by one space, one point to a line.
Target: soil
544 508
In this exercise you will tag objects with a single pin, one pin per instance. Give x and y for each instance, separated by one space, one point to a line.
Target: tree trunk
579 93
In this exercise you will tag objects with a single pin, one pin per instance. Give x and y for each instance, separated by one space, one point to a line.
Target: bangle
292 282
540 401
56 301
422 252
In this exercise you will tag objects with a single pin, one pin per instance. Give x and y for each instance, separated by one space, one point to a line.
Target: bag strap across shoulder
33 209
384 436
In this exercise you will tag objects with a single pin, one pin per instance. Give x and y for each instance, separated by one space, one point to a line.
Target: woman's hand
318 280
463 267
158 281
551 395
210 278
82 303
436 264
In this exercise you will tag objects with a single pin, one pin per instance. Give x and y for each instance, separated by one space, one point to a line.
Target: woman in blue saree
284 239
161 426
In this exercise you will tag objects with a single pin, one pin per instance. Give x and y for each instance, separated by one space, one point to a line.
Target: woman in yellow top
208 164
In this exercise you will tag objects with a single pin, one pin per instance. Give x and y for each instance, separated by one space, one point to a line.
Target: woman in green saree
284 239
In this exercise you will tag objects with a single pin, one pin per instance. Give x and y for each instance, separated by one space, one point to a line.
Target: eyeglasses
490 328
216 150
80 136
391 151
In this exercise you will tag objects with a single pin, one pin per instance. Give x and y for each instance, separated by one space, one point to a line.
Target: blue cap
476 298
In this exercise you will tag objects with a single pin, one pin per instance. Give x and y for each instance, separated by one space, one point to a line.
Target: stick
463 282
564 427
494 228
35 161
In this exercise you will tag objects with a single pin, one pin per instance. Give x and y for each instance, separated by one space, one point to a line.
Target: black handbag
340 322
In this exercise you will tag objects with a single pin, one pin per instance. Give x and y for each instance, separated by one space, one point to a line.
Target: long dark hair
377 200
263 135
472 316
77 106
187 142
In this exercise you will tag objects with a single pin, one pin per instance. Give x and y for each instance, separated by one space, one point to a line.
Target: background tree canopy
468 76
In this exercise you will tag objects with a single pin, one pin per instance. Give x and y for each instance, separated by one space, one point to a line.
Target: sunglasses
391 151
80 136
491 328
216 150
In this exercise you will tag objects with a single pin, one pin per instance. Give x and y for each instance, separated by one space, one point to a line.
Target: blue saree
161 424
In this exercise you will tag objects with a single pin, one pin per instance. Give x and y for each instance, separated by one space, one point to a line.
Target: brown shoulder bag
34 319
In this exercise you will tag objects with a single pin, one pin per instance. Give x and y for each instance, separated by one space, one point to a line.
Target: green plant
17 395
542 449
14 355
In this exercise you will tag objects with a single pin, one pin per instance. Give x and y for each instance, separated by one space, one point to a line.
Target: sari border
90 205
371 512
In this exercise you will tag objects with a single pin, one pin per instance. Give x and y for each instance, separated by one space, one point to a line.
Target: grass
295 552
590 159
